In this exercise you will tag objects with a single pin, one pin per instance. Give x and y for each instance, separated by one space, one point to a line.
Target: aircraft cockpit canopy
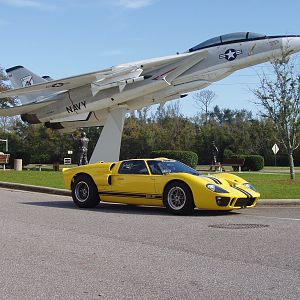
228 38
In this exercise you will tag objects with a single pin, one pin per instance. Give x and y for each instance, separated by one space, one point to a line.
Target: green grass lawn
43 178
271 186
274 186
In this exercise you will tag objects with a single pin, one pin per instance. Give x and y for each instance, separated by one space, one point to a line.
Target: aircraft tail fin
21 77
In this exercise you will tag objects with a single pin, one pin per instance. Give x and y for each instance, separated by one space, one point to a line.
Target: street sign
275 149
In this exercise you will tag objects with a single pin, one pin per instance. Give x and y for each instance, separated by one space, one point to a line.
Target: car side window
154 167
133 167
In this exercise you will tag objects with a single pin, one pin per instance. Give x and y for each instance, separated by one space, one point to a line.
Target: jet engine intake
30 118
55 126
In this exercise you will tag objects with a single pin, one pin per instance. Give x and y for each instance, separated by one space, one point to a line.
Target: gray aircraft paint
219 62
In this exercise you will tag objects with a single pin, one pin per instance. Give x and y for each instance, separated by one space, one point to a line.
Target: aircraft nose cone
292 43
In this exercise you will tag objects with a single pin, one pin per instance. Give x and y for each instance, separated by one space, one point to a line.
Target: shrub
252 162
228 153
17 155
189 158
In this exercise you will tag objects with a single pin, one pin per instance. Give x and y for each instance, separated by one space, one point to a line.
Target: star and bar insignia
230 54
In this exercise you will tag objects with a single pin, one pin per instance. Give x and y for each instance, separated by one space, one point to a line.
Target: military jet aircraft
102 98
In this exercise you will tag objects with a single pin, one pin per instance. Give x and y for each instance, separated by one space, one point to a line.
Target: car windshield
159 167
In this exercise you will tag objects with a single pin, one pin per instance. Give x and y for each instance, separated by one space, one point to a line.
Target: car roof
147 159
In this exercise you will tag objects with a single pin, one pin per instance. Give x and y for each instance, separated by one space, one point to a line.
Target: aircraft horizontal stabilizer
23 109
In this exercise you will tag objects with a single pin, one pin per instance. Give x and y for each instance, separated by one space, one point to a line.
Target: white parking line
277 218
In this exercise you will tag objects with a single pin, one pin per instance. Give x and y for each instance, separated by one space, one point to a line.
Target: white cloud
27 4
21 3
135 4
45 5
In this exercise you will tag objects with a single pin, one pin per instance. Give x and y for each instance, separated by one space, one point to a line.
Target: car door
133 184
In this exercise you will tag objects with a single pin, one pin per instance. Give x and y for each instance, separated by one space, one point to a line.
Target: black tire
84 192
178 198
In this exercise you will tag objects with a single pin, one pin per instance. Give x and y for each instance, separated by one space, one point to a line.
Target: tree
6 122
279 97
203 100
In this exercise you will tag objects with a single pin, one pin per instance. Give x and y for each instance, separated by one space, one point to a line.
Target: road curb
33 188
278 202
63 192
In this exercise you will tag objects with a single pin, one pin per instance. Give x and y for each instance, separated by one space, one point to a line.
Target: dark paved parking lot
51 250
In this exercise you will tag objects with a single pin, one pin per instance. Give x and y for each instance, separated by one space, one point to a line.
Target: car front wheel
178 198
84 192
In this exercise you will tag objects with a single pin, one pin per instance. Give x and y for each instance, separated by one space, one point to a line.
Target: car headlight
215 188
249 186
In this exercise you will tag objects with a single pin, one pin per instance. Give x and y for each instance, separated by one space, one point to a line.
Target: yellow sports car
158 182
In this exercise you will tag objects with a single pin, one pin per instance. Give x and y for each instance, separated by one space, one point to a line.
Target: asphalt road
51 250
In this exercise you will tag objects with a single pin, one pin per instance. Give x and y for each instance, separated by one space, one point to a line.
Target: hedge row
252 162
189 158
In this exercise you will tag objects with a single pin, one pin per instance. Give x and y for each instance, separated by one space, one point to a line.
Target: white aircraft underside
103 98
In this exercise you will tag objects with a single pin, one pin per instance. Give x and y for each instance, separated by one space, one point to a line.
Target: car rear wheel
178 198
84 192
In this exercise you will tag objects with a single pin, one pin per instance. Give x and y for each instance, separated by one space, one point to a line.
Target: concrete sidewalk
63 192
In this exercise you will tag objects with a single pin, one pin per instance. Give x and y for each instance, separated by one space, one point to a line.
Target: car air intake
242 202
222 201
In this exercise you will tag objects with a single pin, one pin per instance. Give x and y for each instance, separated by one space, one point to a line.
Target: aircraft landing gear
109 142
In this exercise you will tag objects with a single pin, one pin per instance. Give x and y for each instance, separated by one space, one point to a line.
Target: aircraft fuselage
223 57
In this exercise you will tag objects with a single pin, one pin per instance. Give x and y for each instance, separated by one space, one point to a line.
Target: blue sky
67 37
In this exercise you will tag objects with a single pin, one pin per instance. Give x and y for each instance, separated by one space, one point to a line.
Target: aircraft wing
151 65
175 69
115 76
71 82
